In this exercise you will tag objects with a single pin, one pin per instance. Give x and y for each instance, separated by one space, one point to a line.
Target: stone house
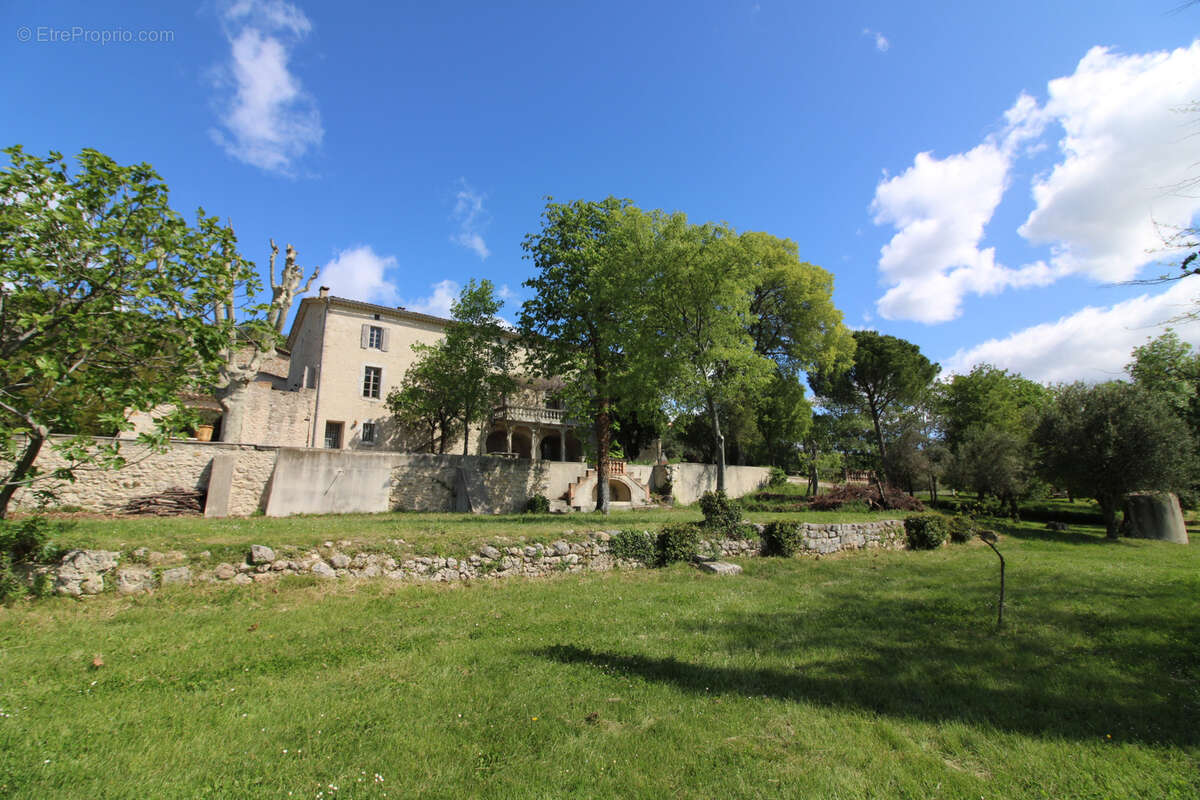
345 356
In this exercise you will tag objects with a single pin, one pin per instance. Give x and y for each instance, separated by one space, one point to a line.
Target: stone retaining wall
184 464
89 572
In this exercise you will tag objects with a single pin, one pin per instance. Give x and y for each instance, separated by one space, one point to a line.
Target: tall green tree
1111 439
588 319
1169 368
703 292
479 355
989 397
889 375
105 293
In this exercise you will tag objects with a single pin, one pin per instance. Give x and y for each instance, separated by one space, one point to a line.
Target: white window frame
363 383
362 436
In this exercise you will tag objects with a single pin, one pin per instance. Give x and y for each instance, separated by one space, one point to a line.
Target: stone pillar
562 444
507 438
535 444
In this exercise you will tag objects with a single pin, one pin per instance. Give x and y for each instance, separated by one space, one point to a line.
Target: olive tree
1108 440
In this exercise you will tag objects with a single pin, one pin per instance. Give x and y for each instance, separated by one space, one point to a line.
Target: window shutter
383 341
366 336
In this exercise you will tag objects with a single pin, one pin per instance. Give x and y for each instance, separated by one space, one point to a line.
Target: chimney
323 292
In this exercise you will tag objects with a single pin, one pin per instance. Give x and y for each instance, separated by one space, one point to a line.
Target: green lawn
875 674
423 534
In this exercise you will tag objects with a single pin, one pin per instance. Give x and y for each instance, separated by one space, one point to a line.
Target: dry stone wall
184 464
90 572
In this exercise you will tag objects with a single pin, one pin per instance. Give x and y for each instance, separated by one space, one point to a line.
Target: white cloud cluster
1092 344
471 218
361 274
266 118
940 208
1122 148
445 293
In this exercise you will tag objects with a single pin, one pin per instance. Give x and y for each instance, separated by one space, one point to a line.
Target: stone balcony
532 415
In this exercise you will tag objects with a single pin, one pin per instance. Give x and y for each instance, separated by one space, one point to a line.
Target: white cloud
881 42
361 274
1123 147
445 293
940 208
1092 344
471 218
266 118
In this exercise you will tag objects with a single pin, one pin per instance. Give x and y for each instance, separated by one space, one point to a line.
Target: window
333 435
372 382
368 433
374 337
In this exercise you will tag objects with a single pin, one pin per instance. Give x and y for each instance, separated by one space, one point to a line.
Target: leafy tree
1168 368
793 320
587 321
479 355
889 375
996 461
1111 439
424 401
106 294
703 292
988 397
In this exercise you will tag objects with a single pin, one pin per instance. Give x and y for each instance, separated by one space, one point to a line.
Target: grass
865 675
424 534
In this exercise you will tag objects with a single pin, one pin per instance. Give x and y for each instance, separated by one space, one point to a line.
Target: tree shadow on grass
1068 673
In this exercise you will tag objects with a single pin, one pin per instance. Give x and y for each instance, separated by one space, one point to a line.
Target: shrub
778 477
782 539
961 528
720 513
538 504
25 540
925 531
633 546
677 542
10 584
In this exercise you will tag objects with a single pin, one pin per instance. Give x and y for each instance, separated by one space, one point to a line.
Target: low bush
538 504
721 514
778 477
782 539
26 541
925 531
633 546
677 542
961 529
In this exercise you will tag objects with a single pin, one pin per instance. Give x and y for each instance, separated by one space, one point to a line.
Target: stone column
562 444
535 443
507 438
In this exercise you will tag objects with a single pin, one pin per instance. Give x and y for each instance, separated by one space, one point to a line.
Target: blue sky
977 177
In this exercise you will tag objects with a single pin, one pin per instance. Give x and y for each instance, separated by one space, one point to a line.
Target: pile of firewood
167 503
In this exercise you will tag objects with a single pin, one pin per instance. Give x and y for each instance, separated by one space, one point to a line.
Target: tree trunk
813 484
719 442
466 437
11 483
1108 507
233 401
887 478
603 441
